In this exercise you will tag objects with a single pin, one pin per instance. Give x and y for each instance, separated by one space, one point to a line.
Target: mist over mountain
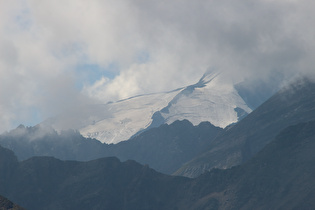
165 148
210 99
168 147
27 142
256 91
291 105
57 59
267 162
281 176
162 105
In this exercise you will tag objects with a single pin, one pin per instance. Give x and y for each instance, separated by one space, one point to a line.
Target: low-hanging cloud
154 46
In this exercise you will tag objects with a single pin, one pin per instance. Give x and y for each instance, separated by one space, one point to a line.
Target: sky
63 55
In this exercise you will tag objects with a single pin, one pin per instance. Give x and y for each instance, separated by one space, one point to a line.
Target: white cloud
42 42
242 38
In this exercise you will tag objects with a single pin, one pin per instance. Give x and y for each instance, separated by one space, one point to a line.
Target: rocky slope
291 105
281 176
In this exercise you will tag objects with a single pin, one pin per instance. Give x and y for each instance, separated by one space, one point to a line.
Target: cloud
35 81
140 46
241 38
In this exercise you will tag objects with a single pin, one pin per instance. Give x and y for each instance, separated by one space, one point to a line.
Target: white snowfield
127 117
214 103
208 100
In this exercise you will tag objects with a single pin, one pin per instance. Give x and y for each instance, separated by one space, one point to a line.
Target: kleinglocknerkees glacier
209 99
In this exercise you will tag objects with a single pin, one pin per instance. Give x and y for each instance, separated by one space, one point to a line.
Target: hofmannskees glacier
210 99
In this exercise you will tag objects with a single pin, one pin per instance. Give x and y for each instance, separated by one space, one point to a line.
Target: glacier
210 99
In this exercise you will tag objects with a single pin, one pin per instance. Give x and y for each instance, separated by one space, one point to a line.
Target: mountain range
165 148
179 148
211 99
281 176
291 105
264 161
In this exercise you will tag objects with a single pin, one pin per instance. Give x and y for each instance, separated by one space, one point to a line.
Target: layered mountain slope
165 148
48 183
293 104
281 176
210 99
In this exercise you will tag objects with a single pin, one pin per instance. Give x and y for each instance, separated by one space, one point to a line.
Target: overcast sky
59 55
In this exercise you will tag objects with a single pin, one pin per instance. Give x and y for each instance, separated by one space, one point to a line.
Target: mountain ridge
210 99
291 105
281 176
165 148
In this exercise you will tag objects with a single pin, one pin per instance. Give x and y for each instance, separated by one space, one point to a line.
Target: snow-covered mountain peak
206 78
210 99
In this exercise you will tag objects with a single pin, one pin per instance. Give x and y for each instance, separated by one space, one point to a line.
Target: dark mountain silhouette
49 183
165 148
6 204
281 176
27 142
291 105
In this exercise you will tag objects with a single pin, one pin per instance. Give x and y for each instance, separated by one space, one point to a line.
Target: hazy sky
59 55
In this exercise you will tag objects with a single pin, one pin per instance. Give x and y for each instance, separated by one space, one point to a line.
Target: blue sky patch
89 73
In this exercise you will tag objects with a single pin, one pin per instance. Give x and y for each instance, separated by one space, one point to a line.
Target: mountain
6 204
281 176
48 183
27 142
8 163
165 148
256 91
210 99
291 105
